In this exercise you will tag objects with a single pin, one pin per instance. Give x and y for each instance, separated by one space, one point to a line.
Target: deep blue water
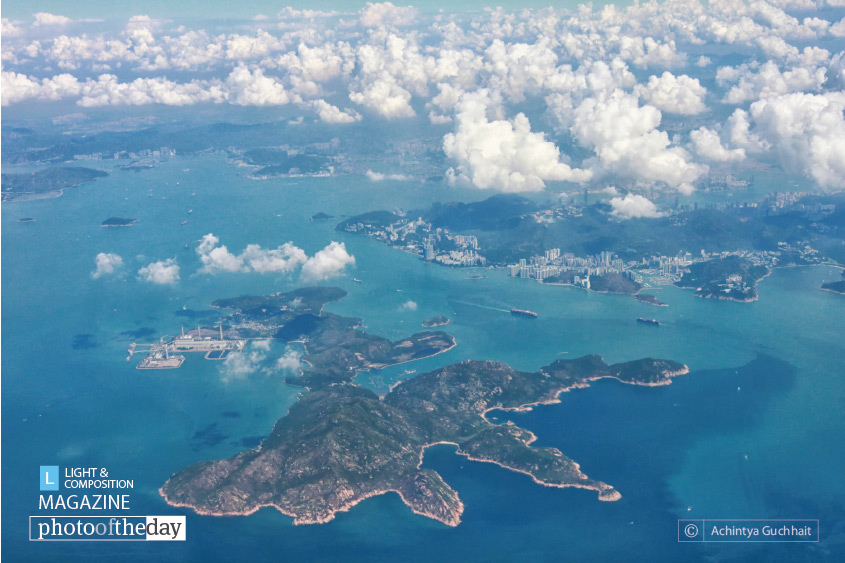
753 432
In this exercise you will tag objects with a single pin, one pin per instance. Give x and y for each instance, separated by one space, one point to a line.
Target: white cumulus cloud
108 91
674 94
163 272
44 18
329 113
807 131
327 263
627 142
708 144
253 88
380 177
291 361
385 96
17 87
633 206
385 13
217 258
503 155
242 364
9 29
753 81
107 263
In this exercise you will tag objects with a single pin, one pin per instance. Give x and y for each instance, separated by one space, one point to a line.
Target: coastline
34 197
301 521
606 494
382 366
654 303
584 384
832 290
440 503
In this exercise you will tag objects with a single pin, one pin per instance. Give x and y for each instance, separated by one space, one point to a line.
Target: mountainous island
337 349
118 222
439 320
48 182
341 444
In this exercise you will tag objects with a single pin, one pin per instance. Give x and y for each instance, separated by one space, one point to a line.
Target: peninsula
49 182
732 278
835 287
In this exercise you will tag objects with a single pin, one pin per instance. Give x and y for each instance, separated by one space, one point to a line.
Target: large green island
341 444
336 347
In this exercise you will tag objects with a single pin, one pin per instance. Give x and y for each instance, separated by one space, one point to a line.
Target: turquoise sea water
753 432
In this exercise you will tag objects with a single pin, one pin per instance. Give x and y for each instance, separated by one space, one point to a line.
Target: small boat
356 280
190 211
184 223
524 313
653 322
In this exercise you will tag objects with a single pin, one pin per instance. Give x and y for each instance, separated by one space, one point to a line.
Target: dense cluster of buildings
422 238
444 247
775 203
552 263
778 203
167 355
465 253
159 153
728 181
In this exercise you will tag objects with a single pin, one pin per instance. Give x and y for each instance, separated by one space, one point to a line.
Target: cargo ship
654 322
524 313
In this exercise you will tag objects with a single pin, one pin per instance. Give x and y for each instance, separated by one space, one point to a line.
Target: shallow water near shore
751 432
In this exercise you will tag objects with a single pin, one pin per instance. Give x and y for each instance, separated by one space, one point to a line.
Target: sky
110 9
652 97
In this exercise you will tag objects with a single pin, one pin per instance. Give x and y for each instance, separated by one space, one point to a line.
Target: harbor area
168 352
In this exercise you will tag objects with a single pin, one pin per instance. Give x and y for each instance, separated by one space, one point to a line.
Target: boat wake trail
480 306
